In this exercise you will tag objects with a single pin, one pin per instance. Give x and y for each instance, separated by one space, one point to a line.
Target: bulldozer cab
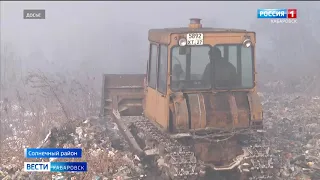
196 78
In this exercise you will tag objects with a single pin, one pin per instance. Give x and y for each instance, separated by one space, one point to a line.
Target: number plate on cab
195 39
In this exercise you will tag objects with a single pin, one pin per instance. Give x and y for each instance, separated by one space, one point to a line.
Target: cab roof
166 31
163 35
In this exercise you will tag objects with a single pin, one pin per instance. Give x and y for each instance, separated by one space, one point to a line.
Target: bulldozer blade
123 93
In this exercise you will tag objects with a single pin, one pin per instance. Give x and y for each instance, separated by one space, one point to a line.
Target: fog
111 37
51 69
102 32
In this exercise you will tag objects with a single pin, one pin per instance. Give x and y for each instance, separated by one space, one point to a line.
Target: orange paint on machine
200 92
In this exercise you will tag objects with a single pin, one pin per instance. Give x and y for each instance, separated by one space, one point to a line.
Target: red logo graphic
292 13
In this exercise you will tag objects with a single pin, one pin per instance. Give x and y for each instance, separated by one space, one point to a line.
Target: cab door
156 99
162 98
151 90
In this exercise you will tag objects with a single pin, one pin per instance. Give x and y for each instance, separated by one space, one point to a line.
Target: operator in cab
225 74
178 74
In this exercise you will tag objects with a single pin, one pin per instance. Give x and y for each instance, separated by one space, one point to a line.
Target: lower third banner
55 166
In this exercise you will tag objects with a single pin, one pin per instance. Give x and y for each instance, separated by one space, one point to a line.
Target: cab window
162 69
188 68
240 59
152 79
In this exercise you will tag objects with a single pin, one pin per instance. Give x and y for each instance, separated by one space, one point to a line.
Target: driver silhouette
177 72
225 73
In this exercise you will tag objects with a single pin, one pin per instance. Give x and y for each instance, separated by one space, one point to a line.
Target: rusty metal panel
123 80
244 118
157 108
181 114
122 92
151 104
242 100
243 109
218 113
255 106
226 110
220 101
197 111
233 109
163 111
217 153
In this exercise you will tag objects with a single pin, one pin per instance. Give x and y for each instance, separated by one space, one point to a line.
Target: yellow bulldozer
196 110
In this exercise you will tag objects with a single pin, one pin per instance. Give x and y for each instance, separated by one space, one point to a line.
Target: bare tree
48 87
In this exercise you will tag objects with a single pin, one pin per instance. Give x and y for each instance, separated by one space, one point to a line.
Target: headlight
247 43
182 42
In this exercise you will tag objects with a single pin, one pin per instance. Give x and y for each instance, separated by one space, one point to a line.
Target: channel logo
55 166
37 166
279 16
277 13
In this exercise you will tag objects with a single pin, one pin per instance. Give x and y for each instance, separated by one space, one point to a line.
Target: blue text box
272 13
68 167
53 153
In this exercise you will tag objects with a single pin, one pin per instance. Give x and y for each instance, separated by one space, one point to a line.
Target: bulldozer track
261 162
179 161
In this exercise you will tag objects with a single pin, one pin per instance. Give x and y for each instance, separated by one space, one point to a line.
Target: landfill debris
98 138
291 121
103 148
